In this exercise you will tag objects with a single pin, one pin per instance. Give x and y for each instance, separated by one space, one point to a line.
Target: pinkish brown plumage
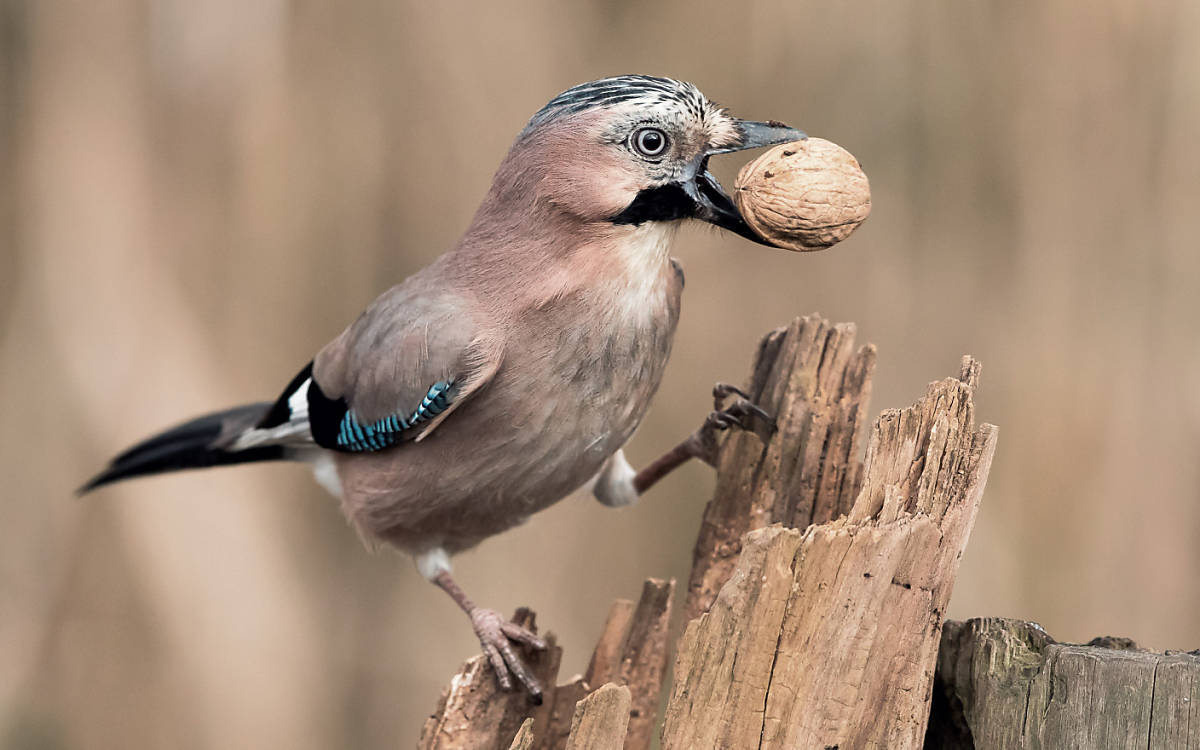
510 371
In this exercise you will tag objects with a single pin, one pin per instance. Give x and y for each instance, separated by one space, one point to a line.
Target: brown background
196 196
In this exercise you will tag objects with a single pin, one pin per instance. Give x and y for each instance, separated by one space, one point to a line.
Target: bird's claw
722 391
496 636
741 413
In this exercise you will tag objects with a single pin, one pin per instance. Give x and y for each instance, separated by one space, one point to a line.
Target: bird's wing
410 360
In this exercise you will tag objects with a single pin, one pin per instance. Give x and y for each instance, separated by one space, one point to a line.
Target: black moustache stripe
664 203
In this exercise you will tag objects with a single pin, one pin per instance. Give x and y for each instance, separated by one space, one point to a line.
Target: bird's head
633 149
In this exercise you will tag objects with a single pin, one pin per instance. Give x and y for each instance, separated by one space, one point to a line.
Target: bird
511 371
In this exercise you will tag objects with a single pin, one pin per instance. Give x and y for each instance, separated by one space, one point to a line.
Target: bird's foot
497 636
741 413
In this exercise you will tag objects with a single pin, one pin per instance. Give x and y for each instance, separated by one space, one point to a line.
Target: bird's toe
497 636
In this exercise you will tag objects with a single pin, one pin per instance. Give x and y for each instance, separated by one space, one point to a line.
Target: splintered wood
631 655
524 738
474 713
1007 685
600 720
828 637
817 384
631 651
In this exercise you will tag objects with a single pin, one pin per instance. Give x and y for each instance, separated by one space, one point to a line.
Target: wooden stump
1007 685
474 713
828 637
631 652
631 655
817 385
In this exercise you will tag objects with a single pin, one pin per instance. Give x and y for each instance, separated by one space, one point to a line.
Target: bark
818 589
1007 685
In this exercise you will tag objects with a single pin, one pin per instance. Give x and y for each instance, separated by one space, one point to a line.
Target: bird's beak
759 134
712 202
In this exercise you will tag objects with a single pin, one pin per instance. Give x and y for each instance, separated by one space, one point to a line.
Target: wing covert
409 360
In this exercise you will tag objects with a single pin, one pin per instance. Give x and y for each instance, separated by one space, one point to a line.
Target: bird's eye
649 142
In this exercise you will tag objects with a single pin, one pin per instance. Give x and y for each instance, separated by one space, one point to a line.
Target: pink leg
702 443
495 634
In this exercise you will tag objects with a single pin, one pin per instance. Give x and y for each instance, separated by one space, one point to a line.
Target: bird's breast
596 357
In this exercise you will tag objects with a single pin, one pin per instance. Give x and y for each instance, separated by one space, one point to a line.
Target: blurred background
196 196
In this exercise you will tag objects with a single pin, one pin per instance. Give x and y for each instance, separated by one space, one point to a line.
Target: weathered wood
524 738
817 385
473 713
601 719
828 637
554 735
643 661
606 656
1007 685
631 651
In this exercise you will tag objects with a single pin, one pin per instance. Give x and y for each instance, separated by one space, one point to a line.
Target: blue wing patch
357 437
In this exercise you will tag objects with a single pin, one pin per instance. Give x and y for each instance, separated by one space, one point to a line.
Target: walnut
805 195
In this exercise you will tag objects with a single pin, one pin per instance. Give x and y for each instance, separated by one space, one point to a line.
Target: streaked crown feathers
650 93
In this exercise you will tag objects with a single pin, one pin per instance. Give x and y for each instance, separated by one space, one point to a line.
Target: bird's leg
495 634
703 443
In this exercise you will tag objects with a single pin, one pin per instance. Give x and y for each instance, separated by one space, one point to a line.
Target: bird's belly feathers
571 390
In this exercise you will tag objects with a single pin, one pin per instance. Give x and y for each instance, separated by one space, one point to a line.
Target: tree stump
817 385
1007 685
828 637
474 713
631 654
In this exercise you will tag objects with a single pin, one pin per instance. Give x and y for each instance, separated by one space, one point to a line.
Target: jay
510 371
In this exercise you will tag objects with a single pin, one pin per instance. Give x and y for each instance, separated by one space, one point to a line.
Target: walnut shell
805 195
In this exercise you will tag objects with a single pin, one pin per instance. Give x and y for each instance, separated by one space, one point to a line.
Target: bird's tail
203 441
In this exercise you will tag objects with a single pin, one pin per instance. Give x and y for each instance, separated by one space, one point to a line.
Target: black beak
712 202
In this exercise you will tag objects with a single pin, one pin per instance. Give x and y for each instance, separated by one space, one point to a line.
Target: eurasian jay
510 371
